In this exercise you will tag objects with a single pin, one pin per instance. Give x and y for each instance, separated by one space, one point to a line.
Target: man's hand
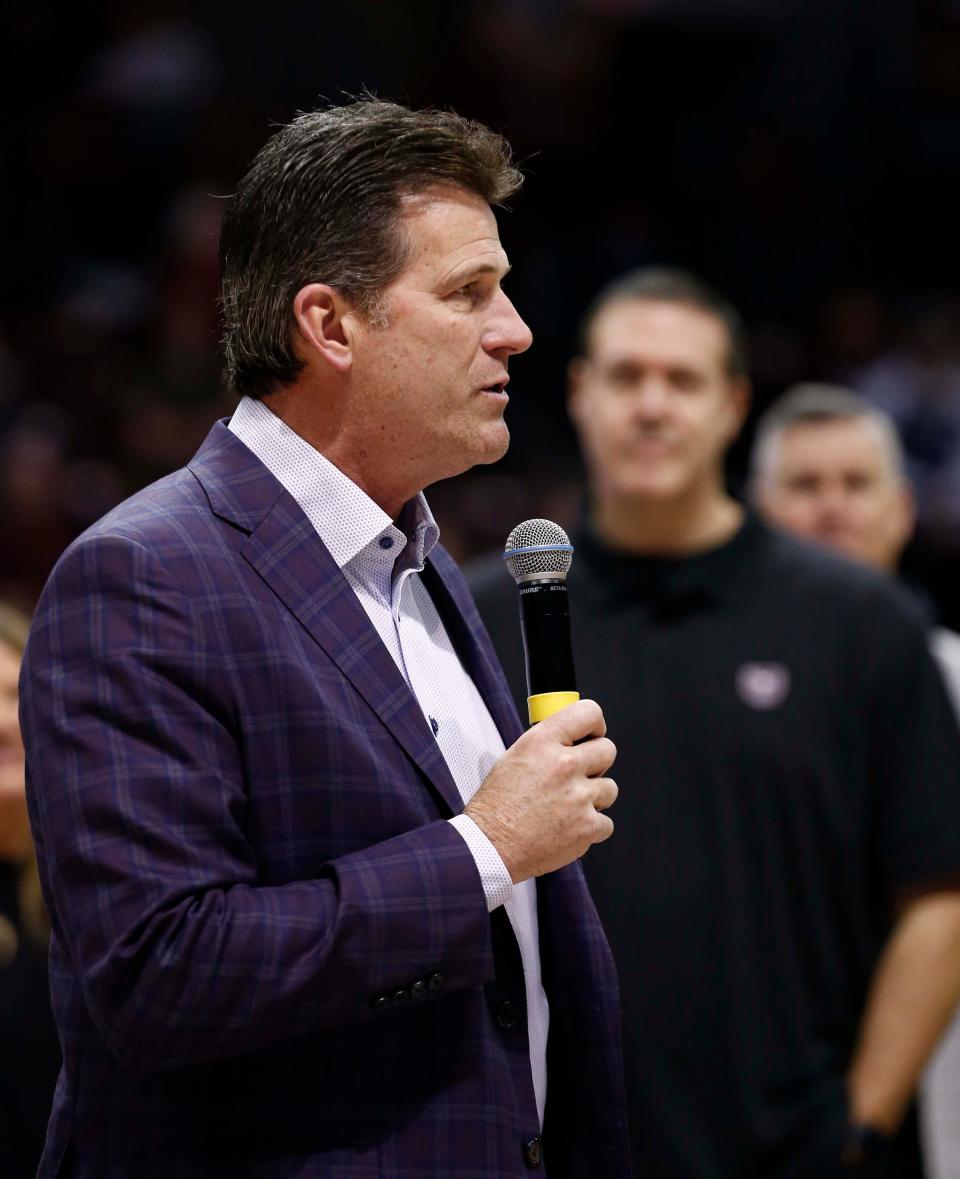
540 806
913 995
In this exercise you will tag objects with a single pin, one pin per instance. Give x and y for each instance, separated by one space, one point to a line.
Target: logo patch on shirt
763 686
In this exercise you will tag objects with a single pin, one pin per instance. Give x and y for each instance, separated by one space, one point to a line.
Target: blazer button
435 981
532 1153
381 1003
418 990
507 1015
400 997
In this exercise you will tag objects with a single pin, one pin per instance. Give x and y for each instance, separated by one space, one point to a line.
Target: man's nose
650 399
508 334
832 502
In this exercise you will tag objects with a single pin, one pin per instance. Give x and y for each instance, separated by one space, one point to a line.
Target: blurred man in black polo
829 466
790 778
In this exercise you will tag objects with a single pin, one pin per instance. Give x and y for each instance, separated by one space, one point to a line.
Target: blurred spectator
830 467
29 1053
808 143
778 893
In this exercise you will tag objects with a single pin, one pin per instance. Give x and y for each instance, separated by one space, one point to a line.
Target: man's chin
655 490
851 547
492 444
482 452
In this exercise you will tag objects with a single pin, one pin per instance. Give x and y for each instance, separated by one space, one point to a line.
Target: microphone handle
547 651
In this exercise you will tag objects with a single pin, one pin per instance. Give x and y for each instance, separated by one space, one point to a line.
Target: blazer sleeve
137 799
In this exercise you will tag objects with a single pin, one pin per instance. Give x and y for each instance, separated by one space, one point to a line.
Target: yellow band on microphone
545 704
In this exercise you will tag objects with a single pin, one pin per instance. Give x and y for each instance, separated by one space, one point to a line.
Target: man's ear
323 317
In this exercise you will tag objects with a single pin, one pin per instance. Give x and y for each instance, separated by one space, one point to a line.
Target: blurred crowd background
802 155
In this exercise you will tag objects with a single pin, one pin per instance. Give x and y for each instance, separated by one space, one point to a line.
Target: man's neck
667 528
318 421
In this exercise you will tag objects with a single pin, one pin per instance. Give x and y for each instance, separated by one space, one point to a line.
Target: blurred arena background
802 155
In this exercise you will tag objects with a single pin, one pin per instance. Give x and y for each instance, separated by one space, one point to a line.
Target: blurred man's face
654 404
835 482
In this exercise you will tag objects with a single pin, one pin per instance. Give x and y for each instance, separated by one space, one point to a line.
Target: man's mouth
649 446
496 387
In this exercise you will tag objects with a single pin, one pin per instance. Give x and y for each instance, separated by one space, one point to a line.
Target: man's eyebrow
467 270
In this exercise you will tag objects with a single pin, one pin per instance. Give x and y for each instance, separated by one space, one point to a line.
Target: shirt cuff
497 885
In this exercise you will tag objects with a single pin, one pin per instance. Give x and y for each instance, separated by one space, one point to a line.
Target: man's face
433 380
654 404
835 482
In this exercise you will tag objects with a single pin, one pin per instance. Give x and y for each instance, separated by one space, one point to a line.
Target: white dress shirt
382 563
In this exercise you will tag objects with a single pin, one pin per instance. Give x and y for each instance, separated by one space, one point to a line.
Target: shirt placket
414 642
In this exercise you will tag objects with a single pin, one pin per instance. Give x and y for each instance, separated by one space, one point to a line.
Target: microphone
538 554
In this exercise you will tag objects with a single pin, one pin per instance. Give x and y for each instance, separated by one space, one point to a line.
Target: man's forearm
914 991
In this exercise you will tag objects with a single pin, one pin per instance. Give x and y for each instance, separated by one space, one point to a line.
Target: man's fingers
584 718
605 793
597 755
604 828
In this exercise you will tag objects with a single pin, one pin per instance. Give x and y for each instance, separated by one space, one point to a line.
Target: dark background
803 155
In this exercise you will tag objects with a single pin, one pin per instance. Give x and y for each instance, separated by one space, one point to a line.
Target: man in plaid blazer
287 821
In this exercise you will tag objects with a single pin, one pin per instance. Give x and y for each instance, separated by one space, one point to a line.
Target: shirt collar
667 583
346 519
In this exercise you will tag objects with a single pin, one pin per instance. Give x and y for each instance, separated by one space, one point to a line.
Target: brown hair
321 203
664 284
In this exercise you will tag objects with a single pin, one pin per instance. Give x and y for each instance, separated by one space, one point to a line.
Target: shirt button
381 1003
435 982
400 997
532 1153
507 1015
386 542
435 725
418 990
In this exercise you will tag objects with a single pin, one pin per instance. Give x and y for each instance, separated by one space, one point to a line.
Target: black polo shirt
789 766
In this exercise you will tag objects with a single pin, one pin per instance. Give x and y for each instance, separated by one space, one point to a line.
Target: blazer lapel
286 552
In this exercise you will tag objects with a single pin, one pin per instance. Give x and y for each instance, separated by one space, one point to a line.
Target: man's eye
859 482
803 484
470 290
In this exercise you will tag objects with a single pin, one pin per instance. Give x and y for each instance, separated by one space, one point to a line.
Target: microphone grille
537 546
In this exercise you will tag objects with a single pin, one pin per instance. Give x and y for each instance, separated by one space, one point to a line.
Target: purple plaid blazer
271 954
